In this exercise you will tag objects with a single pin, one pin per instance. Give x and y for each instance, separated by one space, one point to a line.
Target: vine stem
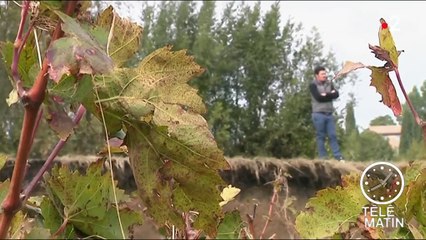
17 48
416 116
410 104
32 101
61 229
271 208
48 163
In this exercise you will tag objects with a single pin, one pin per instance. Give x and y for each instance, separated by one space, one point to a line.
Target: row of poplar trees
255 86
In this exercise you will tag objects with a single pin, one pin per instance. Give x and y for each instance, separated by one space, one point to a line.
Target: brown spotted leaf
380 53
78 52
161 77
87 202
125 36
331 210
349 67
58 119
380 79
173 155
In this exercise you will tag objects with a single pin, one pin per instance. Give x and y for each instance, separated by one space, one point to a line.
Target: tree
350 124
373 147
410 131
382 120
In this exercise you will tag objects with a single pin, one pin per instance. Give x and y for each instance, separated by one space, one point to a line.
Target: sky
346 29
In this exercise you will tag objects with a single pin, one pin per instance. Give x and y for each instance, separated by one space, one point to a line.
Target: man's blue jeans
324 125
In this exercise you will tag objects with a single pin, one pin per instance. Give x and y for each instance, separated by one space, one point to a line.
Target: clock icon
382 183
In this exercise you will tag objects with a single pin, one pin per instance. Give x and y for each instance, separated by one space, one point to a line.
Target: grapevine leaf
172 173
109 227
87 202
331 209
72 91
27 60
81 195
349 67
230 226
125 36
135 92
380 53
386 42
380 79
412 202
58 119
413 170
173 155
52 218
77 53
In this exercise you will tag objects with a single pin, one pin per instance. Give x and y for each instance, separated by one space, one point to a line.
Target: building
391 132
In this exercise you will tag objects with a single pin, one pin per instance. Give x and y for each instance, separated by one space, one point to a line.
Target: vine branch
48 163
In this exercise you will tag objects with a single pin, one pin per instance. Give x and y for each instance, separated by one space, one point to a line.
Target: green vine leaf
380 79
412 202
331 210
125 38
27 61
27 64
71 90
51 212
86 201
230 226
79 52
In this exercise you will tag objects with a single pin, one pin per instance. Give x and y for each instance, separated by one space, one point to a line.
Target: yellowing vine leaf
125 38
331 210
228 194
76 53
386 41
349 67
174 157
161 78
380 79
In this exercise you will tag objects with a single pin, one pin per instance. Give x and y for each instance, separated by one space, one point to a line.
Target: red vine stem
32 101
271 208
48 163
416 116
410 104
17 48
61 229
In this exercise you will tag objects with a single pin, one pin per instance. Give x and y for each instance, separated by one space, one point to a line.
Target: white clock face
382 183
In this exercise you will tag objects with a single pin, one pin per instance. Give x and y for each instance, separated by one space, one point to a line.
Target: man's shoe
340 159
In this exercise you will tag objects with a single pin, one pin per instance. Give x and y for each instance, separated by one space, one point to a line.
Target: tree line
255 85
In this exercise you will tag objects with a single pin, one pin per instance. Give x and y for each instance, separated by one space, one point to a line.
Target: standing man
322 94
